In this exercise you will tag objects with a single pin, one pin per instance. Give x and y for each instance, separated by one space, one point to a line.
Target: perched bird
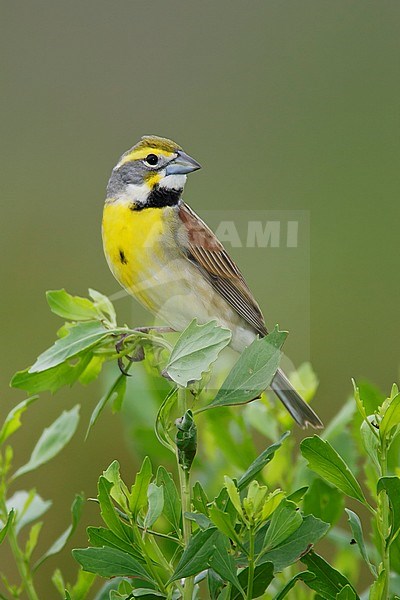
163 254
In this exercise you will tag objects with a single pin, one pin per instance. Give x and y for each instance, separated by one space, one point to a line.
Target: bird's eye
152 159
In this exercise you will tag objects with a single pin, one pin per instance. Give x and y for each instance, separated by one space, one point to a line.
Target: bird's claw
122 368
119 345
138 355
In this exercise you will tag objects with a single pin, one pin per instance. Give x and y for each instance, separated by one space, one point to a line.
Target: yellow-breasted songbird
163 254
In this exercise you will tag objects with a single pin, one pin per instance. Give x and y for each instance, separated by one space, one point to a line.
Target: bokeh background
289 106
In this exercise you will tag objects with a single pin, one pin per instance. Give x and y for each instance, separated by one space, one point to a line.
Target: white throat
134 193
139 193
173 182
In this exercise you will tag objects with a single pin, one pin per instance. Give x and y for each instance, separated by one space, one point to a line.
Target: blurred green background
289 106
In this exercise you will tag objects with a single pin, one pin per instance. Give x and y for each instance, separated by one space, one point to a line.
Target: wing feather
205 251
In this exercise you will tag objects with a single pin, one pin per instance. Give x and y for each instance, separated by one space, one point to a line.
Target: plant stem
186 501
149 563
160 556
22 565
20 560
384 518
250 579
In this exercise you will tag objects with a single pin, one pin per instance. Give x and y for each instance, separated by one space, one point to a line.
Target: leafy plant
25 508
167 536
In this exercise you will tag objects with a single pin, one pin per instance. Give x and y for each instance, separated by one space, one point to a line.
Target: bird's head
151 174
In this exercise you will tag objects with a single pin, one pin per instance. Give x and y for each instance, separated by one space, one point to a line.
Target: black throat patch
160 197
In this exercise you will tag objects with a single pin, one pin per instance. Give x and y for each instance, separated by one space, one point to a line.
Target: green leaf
346 593
224 503
7 525
72 308
326 462
253 372
202 521
57 580
172 506
391 418
81 337
28 507
309 532
59 544
370 441
223 563
65 374
116 392
304 576
155 496
52 440
372 397
223 522
163 421
323 501
100 536
84 583
263 459
12 421
197 554
110 562
391 485
199 498
104 593
119 491
286 519
359 402
225 593
145 593
215 584
298 495
328 582
233 494
138 495
197 348
263 575
356 528
377 588
104 305
108 512
32 540
92 370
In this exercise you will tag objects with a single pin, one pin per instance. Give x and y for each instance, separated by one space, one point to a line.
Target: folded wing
205 251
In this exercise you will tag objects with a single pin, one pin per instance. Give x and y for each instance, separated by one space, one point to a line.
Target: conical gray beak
182 165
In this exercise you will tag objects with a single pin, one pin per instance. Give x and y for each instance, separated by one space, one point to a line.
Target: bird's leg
122 368
139 355
118 347
162 329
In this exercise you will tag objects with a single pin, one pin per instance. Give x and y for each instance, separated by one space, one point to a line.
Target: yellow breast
144 256
133 243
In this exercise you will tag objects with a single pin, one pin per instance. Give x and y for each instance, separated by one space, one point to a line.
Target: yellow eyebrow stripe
141 153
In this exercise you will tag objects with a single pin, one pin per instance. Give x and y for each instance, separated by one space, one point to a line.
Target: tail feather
293 402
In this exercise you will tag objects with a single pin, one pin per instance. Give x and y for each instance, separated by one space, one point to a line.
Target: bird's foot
157 329
138 355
